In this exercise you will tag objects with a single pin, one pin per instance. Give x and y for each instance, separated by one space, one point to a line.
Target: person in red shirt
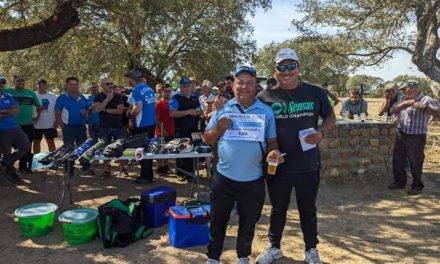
165 125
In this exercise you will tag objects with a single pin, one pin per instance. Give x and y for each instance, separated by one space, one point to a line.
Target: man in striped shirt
413 111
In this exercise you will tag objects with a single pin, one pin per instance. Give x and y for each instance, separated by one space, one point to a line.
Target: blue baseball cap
135 74
248 69
185 81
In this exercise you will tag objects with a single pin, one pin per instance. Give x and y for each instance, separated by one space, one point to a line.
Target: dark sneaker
88 172
414 191
142 181
395 186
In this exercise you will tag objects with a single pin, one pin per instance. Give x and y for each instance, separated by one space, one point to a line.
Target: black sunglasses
110 83
289 67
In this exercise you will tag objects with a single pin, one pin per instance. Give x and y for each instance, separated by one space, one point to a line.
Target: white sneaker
212 261
243 261
312 256
269 255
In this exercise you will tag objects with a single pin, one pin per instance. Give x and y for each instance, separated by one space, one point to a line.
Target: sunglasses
289 67
109 83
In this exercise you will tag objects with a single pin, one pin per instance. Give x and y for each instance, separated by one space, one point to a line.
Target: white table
195 155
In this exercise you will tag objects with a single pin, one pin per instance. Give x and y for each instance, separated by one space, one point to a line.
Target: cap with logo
286 54
248 69
185 81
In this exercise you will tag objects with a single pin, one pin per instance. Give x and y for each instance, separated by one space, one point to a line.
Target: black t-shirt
295 110
108 120
124 114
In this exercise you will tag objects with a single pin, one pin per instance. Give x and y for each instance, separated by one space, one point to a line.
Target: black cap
41 81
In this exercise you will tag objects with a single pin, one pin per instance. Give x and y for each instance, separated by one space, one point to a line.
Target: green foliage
369 83
373 30
315 67
205 39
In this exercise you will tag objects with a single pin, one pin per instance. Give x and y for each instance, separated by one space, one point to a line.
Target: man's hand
110 96
275 155
314 138
193 112
418 105
223 124
408 103
219 103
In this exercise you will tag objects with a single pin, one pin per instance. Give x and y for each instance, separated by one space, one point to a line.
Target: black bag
121 223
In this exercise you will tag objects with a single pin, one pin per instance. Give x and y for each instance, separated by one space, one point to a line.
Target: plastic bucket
36 219
79 225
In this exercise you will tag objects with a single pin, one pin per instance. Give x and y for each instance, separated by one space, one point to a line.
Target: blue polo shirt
6 102
240 160
70 109
143 93
93 117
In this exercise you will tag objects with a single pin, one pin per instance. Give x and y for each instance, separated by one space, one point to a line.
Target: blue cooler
157 201
189 225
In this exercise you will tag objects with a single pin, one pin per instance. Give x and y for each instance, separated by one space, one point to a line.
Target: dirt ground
356 223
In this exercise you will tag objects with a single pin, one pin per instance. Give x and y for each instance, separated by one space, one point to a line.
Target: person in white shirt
45 125
206 94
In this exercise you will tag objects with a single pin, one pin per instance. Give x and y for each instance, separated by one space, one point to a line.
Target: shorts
49 133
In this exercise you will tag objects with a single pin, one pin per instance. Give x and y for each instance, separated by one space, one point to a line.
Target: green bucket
36 219
79 225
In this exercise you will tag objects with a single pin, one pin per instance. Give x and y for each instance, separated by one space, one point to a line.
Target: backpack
120 223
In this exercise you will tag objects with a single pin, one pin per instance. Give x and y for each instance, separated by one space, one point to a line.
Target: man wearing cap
10 134
27 100
297 106
143 100
239 177
413 111
71 109
93 116
185 109
46 121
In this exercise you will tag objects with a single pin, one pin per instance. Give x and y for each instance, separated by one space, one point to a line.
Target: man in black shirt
297 106
110 107
185 109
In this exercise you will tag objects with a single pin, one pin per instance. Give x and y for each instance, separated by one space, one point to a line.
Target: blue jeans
109 134
75 135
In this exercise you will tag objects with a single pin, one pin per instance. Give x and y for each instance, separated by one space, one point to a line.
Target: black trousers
25 162
306 189
250 200
409 148
146 164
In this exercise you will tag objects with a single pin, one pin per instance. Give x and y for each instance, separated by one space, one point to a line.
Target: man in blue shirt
143 111
71 109
10 134
185 109
239 176
93 117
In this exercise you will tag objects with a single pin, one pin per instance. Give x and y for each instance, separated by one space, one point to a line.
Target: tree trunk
64 18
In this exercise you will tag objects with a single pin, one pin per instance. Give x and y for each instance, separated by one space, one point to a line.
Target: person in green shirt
26 100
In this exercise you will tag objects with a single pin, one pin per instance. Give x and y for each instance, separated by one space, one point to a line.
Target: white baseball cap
286 54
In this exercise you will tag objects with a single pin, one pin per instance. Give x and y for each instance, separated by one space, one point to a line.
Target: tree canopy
374 30
314 66
205 39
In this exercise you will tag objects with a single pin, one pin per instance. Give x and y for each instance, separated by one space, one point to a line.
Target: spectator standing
26 100
165 125
45 125
93 117
391 96
185 109
71 109
413 111
11 134
143 106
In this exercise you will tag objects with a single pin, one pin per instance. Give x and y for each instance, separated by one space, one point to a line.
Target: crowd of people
287 107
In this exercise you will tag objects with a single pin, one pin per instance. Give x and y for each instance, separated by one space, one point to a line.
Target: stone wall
361 152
